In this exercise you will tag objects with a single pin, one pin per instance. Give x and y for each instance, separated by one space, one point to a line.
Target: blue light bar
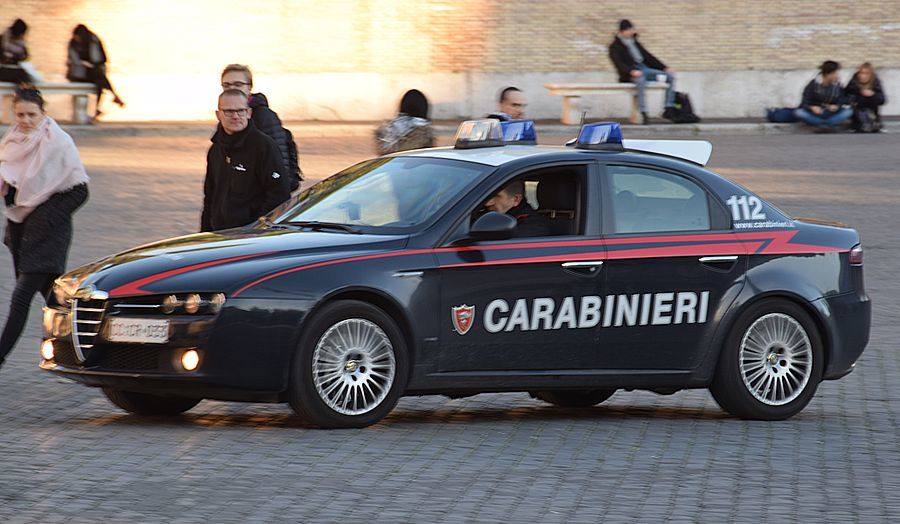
603 136
519 132
479 133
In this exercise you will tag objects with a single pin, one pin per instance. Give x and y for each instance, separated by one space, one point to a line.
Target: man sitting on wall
636 64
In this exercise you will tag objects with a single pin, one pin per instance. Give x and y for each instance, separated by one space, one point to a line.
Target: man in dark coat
823 103
237 76
511 200
636 64
245 177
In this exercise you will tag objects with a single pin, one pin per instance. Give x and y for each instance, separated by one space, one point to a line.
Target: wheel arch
379 299
812 308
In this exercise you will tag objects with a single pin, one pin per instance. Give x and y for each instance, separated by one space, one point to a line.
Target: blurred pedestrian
13 53
237 76
866 96
43 182
410 129
637 65
86 62
245 177
823 100
510 105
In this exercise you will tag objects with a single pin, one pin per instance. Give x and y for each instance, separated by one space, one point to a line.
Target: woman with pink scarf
43 182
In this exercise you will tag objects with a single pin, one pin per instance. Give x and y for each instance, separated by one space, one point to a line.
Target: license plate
140 330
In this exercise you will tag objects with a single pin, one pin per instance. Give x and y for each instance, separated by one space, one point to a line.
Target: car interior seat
557 196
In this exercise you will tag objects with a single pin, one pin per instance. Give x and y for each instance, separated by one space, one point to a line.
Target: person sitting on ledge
823 100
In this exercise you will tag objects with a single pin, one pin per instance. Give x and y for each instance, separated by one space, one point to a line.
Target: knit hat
625 24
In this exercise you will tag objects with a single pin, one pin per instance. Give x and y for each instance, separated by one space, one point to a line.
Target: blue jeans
649 75
826 119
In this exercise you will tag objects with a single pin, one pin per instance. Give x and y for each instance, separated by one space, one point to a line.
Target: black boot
644 118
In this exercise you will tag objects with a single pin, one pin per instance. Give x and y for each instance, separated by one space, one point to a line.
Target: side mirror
493 226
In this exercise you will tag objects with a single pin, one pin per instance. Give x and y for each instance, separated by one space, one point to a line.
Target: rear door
673 267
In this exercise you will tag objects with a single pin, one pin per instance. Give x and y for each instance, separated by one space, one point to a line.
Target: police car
390 279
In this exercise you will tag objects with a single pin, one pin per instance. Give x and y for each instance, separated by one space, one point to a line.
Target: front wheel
148 404
350 367
771 364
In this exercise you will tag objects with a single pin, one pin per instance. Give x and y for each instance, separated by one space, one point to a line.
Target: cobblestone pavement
66 455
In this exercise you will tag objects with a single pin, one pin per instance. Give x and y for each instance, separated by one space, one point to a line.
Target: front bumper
184 385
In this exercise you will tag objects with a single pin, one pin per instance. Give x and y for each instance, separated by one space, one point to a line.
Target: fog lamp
190 359
47 351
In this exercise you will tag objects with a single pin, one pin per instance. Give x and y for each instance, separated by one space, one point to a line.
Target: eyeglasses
234 85
234 112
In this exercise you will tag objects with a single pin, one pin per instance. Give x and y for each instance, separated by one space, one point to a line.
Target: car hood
221 261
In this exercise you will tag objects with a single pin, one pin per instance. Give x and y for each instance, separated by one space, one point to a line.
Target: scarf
38 164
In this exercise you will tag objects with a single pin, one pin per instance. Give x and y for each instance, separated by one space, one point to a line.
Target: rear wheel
350 367
149 404
582 398
771 364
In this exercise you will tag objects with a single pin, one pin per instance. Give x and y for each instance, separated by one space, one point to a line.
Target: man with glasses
511 105
245 177
238 76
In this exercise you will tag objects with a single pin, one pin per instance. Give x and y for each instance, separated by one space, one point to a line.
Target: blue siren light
479 133
603 136
519 132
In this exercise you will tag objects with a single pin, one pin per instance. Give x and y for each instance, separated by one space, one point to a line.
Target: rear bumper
847 319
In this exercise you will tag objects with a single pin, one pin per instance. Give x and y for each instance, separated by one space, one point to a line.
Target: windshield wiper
268 224
316 225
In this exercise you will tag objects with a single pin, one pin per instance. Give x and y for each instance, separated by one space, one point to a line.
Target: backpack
682 112
294 171
866 121
781 115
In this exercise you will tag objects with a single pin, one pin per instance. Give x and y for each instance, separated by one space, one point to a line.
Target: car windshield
385 194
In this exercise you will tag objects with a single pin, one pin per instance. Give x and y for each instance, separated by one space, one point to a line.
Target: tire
582 398
148 404
773 343
350 367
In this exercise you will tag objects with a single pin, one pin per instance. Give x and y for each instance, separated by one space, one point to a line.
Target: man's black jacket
245 179
530 222
624 63
268 122
818 94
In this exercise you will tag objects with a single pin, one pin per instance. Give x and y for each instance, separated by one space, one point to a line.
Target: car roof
694 151
491 156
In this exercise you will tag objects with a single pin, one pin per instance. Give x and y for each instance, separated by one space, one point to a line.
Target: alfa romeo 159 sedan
391 278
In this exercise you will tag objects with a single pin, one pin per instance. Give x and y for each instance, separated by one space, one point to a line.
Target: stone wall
352 59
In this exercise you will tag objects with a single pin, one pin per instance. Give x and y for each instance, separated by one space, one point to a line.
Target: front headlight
64 289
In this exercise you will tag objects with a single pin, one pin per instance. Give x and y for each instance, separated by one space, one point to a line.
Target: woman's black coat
40 244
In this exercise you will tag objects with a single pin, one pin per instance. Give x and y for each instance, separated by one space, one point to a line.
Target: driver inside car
511 200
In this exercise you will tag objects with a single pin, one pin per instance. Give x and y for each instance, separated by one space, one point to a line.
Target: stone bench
572 93
79 91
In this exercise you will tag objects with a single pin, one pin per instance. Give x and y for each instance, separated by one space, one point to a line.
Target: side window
550 204
645 200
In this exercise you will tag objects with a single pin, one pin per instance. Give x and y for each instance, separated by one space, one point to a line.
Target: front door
527 303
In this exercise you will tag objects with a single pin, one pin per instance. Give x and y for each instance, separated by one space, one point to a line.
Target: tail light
856 255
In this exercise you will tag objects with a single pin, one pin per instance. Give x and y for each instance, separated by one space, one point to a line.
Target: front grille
134 357
64 354
87 317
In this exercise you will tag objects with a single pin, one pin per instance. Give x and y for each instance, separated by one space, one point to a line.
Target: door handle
718 259
587 264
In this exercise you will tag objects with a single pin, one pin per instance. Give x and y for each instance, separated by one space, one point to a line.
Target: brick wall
164 44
